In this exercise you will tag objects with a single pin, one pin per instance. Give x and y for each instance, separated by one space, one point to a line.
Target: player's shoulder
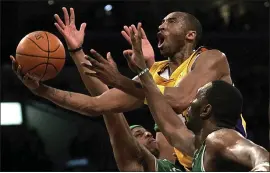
214 59
212 54
223 138
206 50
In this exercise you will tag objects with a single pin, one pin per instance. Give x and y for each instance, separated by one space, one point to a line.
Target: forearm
127 151
94 86
76 102
167 120
131 87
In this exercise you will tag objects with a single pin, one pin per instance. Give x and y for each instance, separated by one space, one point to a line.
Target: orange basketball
41 54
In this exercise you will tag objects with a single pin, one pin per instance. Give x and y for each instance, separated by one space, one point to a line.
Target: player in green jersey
213 115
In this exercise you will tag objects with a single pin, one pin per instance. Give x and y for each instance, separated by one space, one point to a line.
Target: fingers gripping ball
41 54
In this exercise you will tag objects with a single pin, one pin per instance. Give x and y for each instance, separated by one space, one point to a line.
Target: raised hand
136 60
28 80
104 70
147 49
74 38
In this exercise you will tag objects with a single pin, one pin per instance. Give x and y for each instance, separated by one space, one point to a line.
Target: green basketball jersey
163 165
197 163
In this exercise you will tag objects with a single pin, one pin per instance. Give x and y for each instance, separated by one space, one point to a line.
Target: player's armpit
210 65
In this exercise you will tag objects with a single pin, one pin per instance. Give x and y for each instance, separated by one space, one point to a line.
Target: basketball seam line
38 56
48 56
41 48
42 64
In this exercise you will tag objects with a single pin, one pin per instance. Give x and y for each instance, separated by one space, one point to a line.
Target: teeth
160 43
160 39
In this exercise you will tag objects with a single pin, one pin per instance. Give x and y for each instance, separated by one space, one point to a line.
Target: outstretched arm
110 101
86 105
170 125
74 39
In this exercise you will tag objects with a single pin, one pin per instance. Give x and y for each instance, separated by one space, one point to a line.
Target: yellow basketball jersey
174 79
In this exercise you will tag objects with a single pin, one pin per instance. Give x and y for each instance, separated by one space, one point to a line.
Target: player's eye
138 134
171 20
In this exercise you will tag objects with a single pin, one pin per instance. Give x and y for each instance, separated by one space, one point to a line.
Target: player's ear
191 35
206 112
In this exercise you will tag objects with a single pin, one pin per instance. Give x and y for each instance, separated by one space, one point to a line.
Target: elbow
178 104
181 105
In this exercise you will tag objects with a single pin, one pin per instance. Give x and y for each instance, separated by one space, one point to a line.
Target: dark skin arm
129 154
170 125
229 145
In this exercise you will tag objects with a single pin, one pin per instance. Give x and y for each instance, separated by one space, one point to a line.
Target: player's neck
180 57
207 129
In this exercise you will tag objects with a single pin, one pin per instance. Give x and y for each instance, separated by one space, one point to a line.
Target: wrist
74 50
145 70
147 79
119 82
78 56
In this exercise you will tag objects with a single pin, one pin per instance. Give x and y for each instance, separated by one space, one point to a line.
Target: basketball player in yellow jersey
186 70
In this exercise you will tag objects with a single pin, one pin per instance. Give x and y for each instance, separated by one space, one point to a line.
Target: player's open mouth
161 39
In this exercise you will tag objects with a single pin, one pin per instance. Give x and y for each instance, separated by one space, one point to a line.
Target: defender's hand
74 38
136 60
104 70
147 49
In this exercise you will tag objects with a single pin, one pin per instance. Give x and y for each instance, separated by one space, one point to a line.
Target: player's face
171 35
146 138
196 108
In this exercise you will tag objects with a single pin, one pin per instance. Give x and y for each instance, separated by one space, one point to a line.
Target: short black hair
226 101
193 24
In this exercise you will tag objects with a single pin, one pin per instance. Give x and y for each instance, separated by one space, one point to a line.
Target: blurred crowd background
36 135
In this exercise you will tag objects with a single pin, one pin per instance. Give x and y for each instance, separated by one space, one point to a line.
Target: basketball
41 54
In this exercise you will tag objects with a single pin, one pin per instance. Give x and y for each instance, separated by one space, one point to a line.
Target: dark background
51 136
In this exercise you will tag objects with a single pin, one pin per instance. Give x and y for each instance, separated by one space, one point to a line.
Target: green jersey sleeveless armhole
197 163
